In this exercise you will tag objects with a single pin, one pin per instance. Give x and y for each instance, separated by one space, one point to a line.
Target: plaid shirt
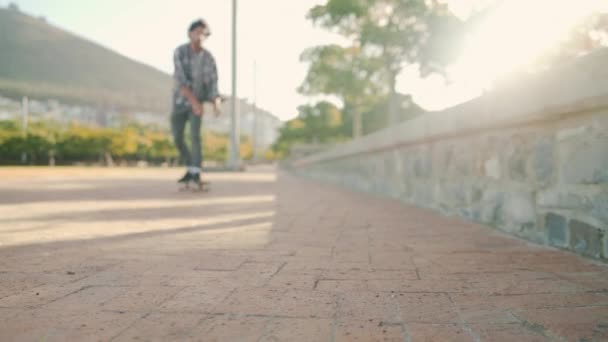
196 71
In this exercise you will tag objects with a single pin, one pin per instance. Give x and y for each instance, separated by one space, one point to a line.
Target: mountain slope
43 61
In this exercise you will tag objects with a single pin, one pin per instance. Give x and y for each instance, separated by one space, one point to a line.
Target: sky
273 33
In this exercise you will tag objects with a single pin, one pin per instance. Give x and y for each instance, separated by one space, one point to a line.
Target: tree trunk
393 111
52 158
108 159
357 123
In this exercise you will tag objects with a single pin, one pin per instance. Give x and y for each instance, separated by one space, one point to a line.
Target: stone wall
530 159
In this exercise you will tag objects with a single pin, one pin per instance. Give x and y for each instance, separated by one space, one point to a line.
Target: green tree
161 147
318 123
347 74
398 32
322 122
80 143
35 147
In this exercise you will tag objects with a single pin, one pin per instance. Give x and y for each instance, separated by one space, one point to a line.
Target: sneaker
195 178
186 178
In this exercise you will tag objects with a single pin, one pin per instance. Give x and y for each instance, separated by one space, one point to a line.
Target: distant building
6 115
13 7
266 129
258 124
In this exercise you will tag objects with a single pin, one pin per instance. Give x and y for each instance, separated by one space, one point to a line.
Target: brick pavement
120 254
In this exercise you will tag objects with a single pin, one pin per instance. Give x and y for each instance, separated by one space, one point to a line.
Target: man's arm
185 85
214 95
213 90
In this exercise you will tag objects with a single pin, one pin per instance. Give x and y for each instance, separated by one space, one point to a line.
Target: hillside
43 61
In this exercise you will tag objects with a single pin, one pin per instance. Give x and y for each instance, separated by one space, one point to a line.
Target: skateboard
201 186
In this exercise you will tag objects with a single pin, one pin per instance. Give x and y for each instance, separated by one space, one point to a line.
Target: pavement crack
275 273
462 322
537 328
265 330
406 333
71 293
142 317
334 322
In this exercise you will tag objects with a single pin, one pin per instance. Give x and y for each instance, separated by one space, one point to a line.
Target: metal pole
255 115
235 155
25 113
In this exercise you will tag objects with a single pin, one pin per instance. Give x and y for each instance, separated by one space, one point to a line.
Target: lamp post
235 155
255 135
25 113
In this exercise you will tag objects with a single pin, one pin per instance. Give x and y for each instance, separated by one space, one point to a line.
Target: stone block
423 167
557 230
605 249
571 132
544 161
516 153
600 122
408 168
518 211
563 199
422 193
440 157
600 207
491 202
457 193
517 167
492 168
586 239
472 213
461 161
587 163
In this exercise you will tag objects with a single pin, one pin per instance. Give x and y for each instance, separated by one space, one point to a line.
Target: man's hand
197 108
217 106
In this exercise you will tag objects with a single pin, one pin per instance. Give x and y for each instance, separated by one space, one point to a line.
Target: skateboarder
195 82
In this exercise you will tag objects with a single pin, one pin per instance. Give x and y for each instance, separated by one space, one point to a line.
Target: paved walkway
93 254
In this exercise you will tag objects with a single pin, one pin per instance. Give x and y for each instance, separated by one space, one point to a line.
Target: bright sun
516 33
512 36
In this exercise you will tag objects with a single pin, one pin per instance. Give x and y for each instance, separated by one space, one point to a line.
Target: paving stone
279 302
368 331
438 332
427 308
162 327
571 324
141 298
364 306
508 332
220 328
304 330
65 325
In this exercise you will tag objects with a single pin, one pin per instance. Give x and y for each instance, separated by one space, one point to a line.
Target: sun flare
516 33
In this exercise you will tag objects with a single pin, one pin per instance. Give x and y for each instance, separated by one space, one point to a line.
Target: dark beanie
199 23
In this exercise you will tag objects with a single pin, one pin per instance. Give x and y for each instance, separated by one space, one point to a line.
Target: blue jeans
179 118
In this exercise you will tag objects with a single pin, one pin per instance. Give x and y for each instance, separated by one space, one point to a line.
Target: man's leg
195 135
178 124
